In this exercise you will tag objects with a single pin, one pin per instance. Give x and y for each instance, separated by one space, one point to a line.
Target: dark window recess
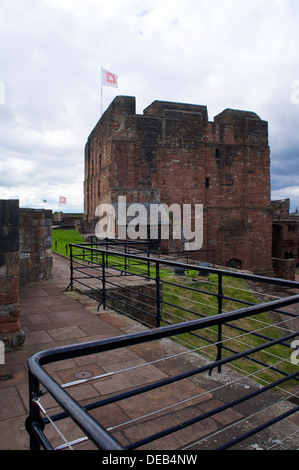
207 182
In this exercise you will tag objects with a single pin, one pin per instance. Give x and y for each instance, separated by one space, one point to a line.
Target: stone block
9 238
13 264
9 290
11 310
41 231
9 325
13 340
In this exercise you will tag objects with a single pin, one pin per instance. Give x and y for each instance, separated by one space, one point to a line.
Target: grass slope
62 238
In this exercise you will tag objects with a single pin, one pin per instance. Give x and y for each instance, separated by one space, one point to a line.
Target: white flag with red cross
109 79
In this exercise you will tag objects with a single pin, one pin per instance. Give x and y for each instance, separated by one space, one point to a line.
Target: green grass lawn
62 238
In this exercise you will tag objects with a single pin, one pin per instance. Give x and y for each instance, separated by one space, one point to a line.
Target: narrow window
207 182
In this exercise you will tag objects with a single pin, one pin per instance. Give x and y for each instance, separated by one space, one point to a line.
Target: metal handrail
93 430
186 266
156 298
35 423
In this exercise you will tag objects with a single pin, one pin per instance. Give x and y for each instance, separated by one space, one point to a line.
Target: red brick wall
285 231
174 153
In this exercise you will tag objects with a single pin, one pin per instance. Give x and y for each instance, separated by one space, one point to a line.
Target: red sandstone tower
173 154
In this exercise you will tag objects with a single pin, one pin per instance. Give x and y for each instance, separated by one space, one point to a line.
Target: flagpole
101 91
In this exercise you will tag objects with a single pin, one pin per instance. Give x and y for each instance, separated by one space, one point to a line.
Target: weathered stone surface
25 256
174 154
9 274
35 242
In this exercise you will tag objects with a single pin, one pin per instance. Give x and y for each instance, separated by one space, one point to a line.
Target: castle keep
171 154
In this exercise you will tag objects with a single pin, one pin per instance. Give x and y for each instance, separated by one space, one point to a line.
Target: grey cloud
225 53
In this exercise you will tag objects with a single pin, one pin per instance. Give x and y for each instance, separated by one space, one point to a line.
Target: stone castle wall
171 154
25 257
10 328
35 245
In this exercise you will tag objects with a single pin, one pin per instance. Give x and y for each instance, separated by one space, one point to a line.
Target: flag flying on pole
109 79
62 200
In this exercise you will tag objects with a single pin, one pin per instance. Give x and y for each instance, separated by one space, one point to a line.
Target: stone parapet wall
25 257
284 268
35 245
10 328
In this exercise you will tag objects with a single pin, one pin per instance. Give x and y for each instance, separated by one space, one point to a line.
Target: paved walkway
51 317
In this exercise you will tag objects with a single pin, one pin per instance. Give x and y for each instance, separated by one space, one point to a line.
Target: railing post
71 268
91 254
34 417
125 257
107 241
158 296
219 340
103 281
148 250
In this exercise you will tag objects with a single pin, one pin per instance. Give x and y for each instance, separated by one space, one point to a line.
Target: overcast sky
240 54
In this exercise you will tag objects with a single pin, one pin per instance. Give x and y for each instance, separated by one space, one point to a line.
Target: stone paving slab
51 317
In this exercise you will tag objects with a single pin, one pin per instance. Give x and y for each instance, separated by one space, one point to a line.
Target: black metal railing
172 298
153 292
